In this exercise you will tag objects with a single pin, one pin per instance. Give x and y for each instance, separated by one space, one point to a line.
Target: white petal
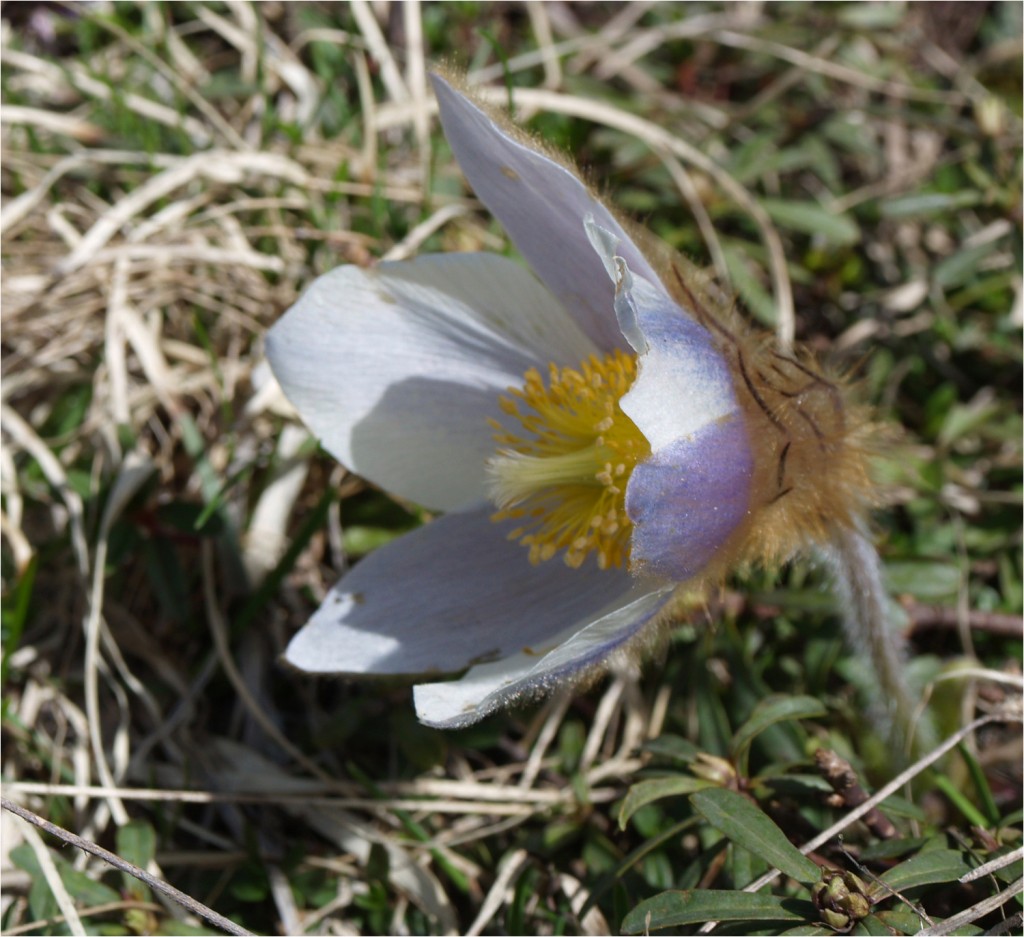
486 687
542 206
397 368
684 381
453 593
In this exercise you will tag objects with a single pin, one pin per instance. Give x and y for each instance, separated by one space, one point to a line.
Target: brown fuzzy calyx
812 446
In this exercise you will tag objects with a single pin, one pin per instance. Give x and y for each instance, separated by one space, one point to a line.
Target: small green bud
858 905
713 768
835 920
841 899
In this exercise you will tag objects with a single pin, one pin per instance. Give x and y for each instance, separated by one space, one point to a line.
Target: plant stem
867 613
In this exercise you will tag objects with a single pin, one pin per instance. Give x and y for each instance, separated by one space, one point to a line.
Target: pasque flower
592 433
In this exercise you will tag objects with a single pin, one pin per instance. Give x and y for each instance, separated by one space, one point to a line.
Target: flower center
565 476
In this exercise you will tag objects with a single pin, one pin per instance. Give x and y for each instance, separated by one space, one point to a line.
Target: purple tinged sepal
688 499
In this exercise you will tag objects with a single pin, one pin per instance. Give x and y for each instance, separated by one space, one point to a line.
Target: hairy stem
867 613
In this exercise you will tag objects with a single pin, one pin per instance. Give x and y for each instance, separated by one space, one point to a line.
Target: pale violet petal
541 205
398 367
577 649
606 245
688 498
453 593
684 382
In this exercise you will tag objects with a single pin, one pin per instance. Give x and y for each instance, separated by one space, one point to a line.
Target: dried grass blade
220 167
509 870
134 471
66 124
26 437
378 48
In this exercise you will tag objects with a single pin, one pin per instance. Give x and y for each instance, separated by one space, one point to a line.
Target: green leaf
769 712
812 218
960 800
928 203
647 846
927 868
966 419
963 266
647 792
873 926
191 518
80 886
359 540
901 921
136 843
981 785
672 748
747 279
929 580
682 908
747 826
743 867
166 577
892 848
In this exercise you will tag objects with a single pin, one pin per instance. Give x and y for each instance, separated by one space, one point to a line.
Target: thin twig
433 792
521 807
122 865
994 865
975 912
844 781
924 617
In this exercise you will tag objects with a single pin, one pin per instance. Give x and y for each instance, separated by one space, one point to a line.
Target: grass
175 174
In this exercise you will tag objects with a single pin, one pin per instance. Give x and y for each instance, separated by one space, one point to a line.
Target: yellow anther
566 473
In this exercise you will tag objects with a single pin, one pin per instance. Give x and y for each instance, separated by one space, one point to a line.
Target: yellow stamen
565 477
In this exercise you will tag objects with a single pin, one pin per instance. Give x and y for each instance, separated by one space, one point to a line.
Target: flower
591 435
